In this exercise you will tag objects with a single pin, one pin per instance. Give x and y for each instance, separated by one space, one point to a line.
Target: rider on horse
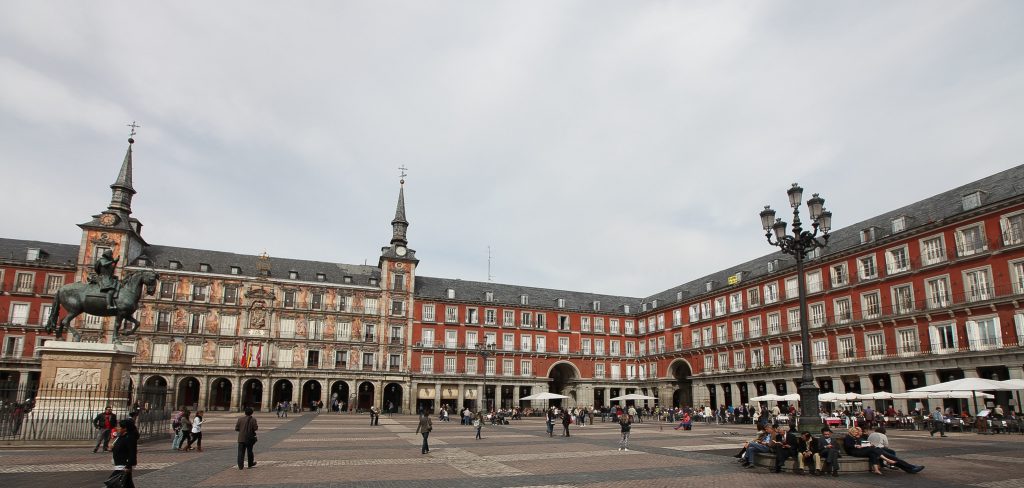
104 268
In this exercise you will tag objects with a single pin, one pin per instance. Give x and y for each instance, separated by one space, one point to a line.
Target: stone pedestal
78 381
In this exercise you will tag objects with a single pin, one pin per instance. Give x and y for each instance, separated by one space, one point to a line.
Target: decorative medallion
257 315
400 265
104 240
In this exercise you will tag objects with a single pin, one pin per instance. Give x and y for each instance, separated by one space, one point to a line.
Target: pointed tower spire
121 199
399 225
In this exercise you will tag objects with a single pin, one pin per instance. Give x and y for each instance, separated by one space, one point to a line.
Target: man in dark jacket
785 446
246 427
106 422
125 452
828 449
424 428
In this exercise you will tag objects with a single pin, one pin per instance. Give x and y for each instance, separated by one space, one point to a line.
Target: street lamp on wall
800 244
485 350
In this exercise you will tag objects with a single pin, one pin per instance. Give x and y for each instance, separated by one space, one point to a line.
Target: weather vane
404 174
134 126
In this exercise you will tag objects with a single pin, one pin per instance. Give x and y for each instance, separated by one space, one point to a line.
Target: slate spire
399 225
121 199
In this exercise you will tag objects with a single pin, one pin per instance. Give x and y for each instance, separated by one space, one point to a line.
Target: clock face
400 250
108 219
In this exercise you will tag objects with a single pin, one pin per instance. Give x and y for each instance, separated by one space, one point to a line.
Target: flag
259 356
244 362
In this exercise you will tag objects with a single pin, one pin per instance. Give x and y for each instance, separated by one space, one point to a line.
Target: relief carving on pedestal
76 377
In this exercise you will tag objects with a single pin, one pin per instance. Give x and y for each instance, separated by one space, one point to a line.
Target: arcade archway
365 399
220 394
561 378
392 398
282 392
153 393
310 394
188 393
252 394
681 372
339 396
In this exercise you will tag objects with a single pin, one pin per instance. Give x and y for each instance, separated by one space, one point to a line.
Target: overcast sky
612 147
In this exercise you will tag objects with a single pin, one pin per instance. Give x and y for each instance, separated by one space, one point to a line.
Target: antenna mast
490 277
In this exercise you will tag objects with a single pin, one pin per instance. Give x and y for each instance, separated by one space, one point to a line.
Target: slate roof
932 210
221 263
428 288
57 254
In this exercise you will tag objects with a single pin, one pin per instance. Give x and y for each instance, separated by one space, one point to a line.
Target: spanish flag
259 356
244 362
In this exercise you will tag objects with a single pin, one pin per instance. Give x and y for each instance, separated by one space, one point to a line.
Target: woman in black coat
125 451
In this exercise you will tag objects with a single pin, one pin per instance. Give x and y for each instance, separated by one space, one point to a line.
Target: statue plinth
78 381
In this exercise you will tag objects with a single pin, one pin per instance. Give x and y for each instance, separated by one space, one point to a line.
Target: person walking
478 422
566 420
424 428
124 450
186 431
106 422
939 421
246 426
197 433
624 427
550 421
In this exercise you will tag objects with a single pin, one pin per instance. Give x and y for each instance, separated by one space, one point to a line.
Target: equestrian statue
102 296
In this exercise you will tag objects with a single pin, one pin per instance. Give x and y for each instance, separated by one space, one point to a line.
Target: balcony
395 340
369 338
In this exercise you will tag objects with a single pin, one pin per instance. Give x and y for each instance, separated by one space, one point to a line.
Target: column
265 401
462 398
898 387
204 388
515 395
413 397
480 400
378 398
236 393
437 397
865 384
22 394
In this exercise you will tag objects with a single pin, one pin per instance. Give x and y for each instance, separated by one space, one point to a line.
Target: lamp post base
810 409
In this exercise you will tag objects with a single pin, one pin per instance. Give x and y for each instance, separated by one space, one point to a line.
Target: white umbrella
766 398
792 397
633 396
954 394
1016 385
837 397
544 396
966 384
879 395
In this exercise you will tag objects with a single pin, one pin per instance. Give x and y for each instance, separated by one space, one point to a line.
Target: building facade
918 295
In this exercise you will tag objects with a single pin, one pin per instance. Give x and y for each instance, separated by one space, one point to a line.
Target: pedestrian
478 423
246 426
280 406
550 421
424 428
566 420
624 427
176 425
124 450
186 431
197 433
939 421
106 422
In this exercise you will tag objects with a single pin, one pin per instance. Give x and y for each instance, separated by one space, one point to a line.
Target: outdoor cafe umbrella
544 396
1016 385
837 397
879 395
966 384
633 396
766 398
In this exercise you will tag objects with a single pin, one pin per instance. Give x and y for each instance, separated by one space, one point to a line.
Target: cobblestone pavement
331 450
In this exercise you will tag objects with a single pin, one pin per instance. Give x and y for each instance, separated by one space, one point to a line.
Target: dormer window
203 267
373 281
643 307
143 262
679 296
321 277
524 299
560 302
596 306
293 275
346 279
235 270
488 296
899 224
972 200
773 265
174 265
654 304
450 293
867 235
708 285
625 309
32 254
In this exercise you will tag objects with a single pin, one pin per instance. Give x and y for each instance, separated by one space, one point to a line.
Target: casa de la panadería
918 295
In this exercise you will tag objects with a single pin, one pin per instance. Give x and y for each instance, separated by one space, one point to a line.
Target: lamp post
799 245
485 351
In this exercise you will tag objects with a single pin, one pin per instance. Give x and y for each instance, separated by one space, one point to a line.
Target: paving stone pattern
332 450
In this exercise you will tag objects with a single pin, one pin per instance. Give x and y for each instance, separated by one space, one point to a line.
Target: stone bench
847 464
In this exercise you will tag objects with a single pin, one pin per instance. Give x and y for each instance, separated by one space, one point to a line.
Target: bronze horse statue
78 298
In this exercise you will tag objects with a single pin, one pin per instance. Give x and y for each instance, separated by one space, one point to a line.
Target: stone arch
561 377
681 372
283 392
393 396
188 392
153 393
340 392
252 394
220 394
576 370
312 391
365 395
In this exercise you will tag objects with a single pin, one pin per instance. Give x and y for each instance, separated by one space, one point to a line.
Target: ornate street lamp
485 351
799 245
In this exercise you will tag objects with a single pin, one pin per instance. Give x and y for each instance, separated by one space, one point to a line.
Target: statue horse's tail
51 321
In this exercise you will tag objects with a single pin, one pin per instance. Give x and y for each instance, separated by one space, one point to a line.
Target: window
525 367
371 306
722 333
843 310
397 281
1018 322
316 329
793 319
943 338
471 366
977 285
677 317
737 330
816 311
160 353
525 319
906 342
53 283
796 354
23 282
903 299
174 265
346 279
316 300
450 364
293 275
488 296
897 260
428 312
14 347
871 305
599 370
792 287
451 314
630 327
508 342
508 318
163 321
369 360
451 338
739 360
616 371
736 302
933 250
524 299
369 333
719 306
225 356
971 200
345 304
19 313
427 364
289 299
709 362
775 356
585 344
1017 275
970 240
694 313
753 297
661 322
228 325
313 359
196 322
705 310
756 358
755 327
866 267
563 346
230 294
287 328
899 224
450 293
560 303
771 292
936 292
542 344
773 265
343 331
983 334
396 335
490 316
1012 227
774 324
489 365
695 338
613 325
599 347
820 349
542 320
471 316
44 314
838 275
814 281
525 341
395 361
235 270
875 342
867 235
563 322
